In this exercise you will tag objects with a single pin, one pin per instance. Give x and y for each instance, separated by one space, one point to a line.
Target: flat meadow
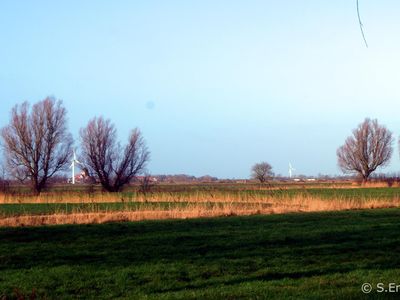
323 255
200 241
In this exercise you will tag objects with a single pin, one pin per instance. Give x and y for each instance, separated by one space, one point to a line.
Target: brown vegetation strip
299 204
98 218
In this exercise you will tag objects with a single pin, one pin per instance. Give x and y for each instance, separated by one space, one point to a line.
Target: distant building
141 178
82 177
242 181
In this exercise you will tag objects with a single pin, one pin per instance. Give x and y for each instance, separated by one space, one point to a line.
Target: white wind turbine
291 169
74 163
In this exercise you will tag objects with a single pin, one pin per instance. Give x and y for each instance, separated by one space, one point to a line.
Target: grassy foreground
294 256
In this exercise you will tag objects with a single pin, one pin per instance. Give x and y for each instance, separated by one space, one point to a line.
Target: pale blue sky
215 86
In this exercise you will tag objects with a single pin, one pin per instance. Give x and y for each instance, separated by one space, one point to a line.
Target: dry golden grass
81 197
254 194
196 210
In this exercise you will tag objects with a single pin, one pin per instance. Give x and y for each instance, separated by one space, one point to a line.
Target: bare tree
262 171
36 142
112 165
368 148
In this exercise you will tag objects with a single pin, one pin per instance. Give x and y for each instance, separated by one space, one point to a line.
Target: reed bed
104 197
212 195
213 207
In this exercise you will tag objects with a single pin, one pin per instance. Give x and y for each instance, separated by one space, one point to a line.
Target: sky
214 86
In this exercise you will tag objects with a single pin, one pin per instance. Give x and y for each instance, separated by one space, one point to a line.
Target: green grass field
293 256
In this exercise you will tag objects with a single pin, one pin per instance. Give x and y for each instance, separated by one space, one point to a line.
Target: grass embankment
295 256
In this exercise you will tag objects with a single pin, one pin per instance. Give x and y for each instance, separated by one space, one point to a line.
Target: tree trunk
364 179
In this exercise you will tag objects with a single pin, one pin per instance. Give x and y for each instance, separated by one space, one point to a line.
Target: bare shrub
4 182
146 184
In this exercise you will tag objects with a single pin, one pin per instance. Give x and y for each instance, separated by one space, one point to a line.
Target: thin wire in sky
361 25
